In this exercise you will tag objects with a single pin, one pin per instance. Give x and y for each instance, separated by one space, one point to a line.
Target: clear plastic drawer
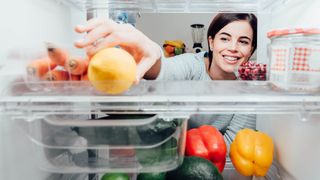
71 143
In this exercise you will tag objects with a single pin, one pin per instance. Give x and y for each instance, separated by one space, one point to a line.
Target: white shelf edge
179 6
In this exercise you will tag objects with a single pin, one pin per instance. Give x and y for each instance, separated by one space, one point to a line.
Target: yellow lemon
112 70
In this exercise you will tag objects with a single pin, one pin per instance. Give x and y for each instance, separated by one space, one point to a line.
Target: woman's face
232 45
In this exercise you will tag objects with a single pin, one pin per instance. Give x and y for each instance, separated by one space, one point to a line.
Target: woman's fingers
94 35
96 29
108 41
122 37
89 25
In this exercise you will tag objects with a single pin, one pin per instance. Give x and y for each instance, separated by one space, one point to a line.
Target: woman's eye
223 39
244 42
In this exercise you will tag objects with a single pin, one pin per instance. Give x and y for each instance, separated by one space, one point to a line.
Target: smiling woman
232 39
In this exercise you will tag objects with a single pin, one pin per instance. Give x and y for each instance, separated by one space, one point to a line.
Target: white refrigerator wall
25 25
297 143
28 23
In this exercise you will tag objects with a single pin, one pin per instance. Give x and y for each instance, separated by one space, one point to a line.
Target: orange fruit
112 70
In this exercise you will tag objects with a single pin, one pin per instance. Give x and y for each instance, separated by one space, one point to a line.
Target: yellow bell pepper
251 152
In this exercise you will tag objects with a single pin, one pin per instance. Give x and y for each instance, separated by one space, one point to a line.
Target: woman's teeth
231 58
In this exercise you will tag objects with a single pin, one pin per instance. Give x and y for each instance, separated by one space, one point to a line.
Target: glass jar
295 59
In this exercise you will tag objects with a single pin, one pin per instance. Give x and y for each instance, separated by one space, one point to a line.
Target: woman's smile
230 59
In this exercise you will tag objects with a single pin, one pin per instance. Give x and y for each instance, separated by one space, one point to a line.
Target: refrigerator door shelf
167 99
166 6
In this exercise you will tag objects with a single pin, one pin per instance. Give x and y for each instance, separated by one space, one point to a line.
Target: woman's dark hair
223 19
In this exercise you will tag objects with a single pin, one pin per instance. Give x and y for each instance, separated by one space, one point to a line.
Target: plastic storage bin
73 143
54 63
294 55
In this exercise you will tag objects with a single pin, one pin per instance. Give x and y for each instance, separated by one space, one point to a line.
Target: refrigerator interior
291 119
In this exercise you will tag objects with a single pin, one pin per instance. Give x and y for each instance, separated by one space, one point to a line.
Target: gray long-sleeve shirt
187 66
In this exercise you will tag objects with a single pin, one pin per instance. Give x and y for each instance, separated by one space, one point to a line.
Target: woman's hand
103 33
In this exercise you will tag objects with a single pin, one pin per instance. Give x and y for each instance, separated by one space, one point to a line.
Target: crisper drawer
73 143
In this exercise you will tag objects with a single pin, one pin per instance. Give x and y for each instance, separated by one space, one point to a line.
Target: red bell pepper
207 142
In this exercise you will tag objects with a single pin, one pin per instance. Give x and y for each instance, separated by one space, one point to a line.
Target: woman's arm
154 71
188 66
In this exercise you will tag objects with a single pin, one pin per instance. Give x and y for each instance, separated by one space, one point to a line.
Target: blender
197 31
